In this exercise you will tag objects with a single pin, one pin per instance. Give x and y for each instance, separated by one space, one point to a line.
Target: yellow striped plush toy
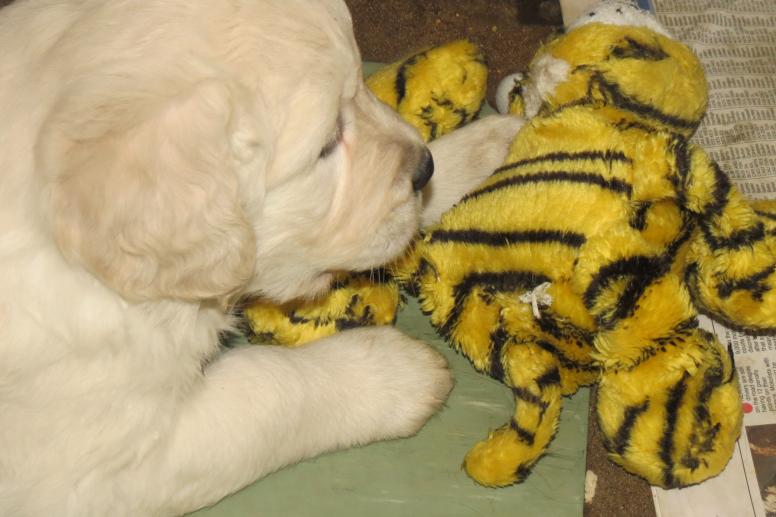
586 258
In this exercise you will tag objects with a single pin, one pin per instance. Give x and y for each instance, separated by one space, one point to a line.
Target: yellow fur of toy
634 229
354 301
436 90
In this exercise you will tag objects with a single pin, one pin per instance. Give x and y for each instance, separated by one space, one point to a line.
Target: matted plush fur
159 160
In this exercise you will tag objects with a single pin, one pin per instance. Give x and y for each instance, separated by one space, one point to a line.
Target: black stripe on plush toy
613 93
712 379
577 177
401 76
638 220
555 157
767 215
522 472
736 240
681 152
621 439
427 114
754 284
562 329
500 282
675 396
528 397
643 272
638 266
498 339
564 360
632 49
523 434
675 337
463 115
549 378
497 239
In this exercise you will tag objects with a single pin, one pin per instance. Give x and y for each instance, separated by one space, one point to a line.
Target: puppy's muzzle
423 172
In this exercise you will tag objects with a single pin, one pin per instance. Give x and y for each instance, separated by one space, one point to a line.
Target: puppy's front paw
409 380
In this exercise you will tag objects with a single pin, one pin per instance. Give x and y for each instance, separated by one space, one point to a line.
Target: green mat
421 476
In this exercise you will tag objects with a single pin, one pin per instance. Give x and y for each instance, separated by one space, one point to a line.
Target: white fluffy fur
161 159
463 159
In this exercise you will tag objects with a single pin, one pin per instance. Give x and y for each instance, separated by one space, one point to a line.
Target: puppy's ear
144 191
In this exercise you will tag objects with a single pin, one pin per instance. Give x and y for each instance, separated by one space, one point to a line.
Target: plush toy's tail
732 272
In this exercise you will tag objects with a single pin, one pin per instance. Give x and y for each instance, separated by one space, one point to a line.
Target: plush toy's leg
668 401
510 451
732 272
675 417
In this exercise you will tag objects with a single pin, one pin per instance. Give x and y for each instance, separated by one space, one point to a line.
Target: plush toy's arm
732 261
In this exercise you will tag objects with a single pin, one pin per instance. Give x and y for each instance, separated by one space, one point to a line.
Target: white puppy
160 159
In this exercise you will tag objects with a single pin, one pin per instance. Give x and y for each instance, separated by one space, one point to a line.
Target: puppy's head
239 153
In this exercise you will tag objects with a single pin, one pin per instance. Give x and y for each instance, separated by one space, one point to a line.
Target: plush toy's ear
143 190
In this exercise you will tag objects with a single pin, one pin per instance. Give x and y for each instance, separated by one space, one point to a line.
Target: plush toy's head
618 57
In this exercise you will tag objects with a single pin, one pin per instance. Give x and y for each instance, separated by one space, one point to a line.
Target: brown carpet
389 29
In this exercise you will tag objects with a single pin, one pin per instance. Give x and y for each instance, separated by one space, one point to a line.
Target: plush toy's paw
734 278
356 300
732 260
675 417
501 460
436 90
509 97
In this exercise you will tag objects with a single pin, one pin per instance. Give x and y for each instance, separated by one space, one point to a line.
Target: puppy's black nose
424 171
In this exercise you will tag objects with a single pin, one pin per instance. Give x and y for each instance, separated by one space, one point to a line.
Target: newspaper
736 41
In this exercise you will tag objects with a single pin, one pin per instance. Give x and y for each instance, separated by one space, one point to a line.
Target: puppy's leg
463 159
264 407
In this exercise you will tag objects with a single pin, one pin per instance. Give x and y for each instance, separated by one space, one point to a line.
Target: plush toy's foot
503 459
675 417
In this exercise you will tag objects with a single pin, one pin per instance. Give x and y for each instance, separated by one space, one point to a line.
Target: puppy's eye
334 142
